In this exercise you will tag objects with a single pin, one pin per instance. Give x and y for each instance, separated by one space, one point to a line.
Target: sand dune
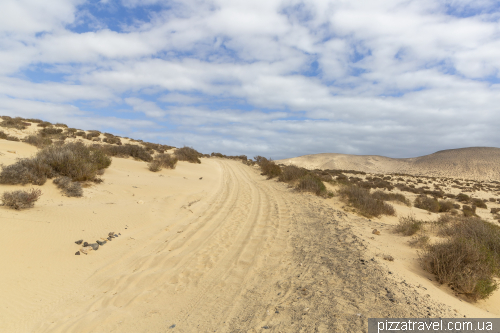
477 163
208 247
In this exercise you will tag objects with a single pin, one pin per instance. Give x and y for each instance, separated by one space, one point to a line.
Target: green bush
188 154
427 203
362 200
20 199
74 160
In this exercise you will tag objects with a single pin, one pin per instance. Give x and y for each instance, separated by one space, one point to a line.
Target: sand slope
230 252
478 163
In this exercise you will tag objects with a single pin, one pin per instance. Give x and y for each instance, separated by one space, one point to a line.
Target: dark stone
77 253
78 242
94 246
85 244
173 326
111 233
100 242
109 238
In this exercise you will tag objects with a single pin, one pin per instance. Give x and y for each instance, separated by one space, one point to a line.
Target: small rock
85 244
86 249
115 235
110 239
201 178
94 246
120 234
266 327
78 242
111 233
77 253
375 232
100 242
173 326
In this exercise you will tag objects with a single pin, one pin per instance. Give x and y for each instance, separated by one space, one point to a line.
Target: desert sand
203 248
476 163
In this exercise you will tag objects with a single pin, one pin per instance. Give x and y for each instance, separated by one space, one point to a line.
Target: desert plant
69 187
469 210
446 206
38 141
391 197
291 172
135 151
427 203
74 160
469 259
44 124
419 241
21 199
311 183
188 154
162 161
462 197
50 131
16 123
113 140
408 226
60 125
268 167
479 203
362 200
80 133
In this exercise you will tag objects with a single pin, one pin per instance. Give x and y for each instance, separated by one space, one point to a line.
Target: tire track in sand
194 278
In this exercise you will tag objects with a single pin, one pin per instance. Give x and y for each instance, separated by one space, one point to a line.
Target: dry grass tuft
362 200
188 154
21 199
162 161
427 203
409 226
69 187
469 259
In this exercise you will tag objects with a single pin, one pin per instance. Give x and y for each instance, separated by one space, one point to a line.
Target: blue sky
264 77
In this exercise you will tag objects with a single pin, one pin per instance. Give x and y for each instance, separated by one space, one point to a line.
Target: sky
398 78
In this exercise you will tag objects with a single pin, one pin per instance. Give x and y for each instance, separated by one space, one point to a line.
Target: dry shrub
291 172
163 161
21 199
50 131
69 187
74 160
188 154
427 203
408 226
5 136
17 123
420 242
362 200
311 183
469 210
479 203
80 133
462 197
268 167
60 125
38 141
113 140
135 151
446 206
469 259
44 124
391 197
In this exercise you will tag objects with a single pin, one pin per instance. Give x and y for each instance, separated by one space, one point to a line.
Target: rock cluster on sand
86 248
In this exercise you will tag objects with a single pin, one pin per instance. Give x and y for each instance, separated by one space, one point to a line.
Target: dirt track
251 256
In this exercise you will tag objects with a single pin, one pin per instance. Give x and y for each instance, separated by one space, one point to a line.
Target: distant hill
478 163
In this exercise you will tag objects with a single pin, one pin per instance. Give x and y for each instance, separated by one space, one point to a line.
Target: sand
476 163
206 247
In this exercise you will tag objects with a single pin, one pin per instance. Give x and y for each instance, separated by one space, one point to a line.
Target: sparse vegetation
311 183
135 151
408 226
391 197
162 161
21 199
69 187
469 259
17 123
268 167
291 173
74 160
362 200
427 203
188 154
38 141
4 136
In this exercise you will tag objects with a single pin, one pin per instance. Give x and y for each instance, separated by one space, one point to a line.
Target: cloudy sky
278 78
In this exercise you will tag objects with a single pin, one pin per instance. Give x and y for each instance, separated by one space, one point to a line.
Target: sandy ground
203 248
477 163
